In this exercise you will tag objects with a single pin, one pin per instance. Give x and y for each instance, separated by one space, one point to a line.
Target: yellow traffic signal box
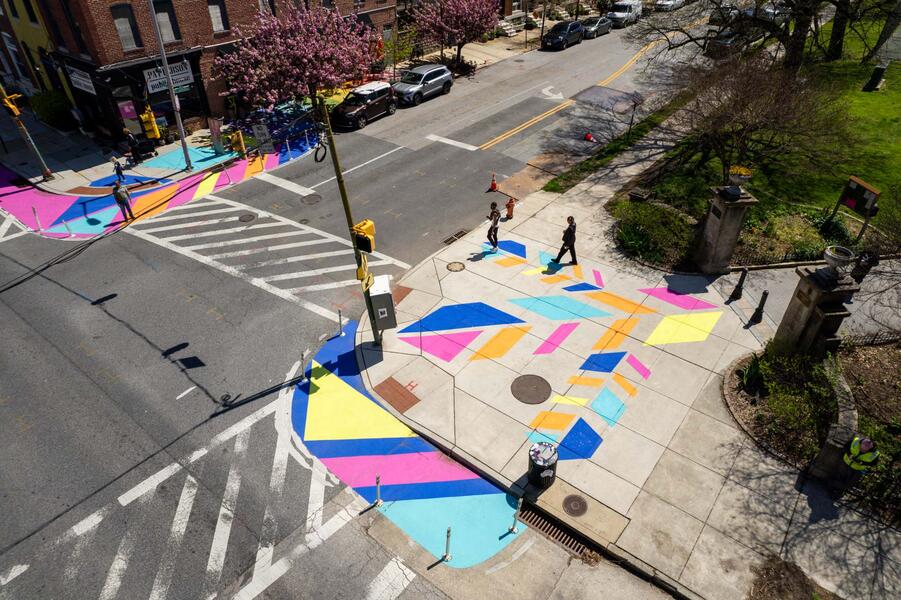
148 123
364 235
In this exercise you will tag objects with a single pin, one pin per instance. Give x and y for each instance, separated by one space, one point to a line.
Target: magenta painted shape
394 469
233 174
683 301
597 278
638 366
556 338
445 346
271 161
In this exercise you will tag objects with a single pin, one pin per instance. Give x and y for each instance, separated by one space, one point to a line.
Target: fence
873 339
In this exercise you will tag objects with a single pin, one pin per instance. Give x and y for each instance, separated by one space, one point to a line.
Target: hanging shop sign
156 78
81 80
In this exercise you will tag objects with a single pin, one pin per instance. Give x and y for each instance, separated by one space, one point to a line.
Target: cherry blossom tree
297 53
456 22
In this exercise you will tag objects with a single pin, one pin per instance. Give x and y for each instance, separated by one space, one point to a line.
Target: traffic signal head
364 235
9 103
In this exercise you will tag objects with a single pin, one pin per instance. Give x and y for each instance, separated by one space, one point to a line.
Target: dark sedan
596 26
562 35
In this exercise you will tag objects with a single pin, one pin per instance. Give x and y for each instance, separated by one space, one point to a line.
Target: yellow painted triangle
206 185
540 269
574 400
336 411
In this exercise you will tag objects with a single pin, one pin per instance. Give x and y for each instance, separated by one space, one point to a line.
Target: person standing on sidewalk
493 219
120 173
569 241
123 199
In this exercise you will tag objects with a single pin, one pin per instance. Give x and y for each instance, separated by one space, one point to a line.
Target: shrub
53 108
832 230
653 233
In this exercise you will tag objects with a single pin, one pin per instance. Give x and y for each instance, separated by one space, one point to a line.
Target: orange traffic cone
589 137
493 186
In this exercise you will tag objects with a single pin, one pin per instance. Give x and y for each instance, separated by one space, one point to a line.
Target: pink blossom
456 22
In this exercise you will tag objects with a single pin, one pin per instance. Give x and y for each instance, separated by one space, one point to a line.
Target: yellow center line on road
567 103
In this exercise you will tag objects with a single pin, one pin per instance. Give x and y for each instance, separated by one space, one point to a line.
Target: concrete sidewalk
621 366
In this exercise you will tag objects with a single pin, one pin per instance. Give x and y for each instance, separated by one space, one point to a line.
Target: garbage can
542 465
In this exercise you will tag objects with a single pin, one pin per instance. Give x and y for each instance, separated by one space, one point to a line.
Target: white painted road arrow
547 92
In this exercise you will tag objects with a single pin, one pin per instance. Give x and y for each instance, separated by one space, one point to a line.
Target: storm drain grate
552 530
455 237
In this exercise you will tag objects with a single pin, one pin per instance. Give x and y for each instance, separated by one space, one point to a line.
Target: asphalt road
142 448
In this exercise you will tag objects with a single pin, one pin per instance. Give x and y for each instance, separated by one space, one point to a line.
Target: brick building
109 52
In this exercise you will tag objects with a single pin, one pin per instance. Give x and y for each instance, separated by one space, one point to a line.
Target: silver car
423 81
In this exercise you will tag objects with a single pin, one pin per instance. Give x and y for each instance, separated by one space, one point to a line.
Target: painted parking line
450 142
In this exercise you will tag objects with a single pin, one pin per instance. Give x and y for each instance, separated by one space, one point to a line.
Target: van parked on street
625 12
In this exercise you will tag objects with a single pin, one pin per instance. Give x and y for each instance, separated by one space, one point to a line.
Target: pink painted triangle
445 346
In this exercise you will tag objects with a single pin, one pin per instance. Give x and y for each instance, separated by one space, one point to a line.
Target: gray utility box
383 303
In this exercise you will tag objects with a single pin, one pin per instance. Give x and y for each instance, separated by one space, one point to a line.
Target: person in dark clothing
120 173
132 142
493 218
123 199
569 241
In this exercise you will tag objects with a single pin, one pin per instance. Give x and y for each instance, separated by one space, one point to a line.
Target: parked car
365 103
595 26
668 5
625 12
423 81
723 14
731 41
563 35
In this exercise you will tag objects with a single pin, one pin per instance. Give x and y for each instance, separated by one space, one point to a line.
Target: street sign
363 270
156 79
261 133
81 80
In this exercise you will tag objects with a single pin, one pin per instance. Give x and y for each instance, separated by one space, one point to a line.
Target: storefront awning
145 59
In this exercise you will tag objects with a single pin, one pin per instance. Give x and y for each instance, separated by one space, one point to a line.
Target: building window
30 10
126 26
218 16
12 8
165 18
13 50
73 25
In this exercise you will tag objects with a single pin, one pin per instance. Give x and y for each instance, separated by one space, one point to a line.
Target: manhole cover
575 505
247 218
304 221
455 266
518 60
530 389
311 199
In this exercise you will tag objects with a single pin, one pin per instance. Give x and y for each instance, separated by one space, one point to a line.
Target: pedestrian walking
132 142
862 454
120 173
123 199
569 241
510 204
493 219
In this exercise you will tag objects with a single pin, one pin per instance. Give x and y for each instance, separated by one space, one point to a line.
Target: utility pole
339 177
543 17
8 102
172 95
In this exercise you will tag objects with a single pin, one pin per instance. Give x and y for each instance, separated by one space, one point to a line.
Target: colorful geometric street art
678 329
597 278
91 211
585 381
603 362
551 420
581 287
616 335
461 316
638 366
608 406
509 246
554 340
620 303
423 490
581 441
445 346
683 301
500 343
559 308
574 400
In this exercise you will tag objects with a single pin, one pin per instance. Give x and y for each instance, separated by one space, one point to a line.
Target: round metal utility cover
311 199
455 266
530 389
247 218
575 505
304 221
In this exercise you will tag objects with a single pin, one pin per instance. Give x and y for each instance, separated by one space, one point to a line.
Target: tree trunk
797 41
459 53
891 24
839 25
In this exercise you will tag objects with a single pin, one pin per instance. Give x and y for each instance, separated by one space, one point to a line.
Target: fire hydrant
510 204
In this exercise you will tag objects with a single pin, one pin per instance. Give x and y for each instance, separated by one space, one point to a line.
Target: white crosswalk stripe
10 228
233 237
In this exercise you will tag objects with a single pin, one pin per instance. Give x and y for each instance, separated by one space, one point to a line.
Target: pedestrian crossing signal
9 103
364 235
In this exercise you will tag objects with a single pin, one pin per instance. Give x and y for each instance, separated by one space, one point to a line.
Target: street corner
586 356
90 211
418 488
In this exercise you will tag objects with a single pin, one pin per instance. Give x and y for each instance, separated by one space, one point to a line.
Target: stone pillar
816 311
829 465
722 227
